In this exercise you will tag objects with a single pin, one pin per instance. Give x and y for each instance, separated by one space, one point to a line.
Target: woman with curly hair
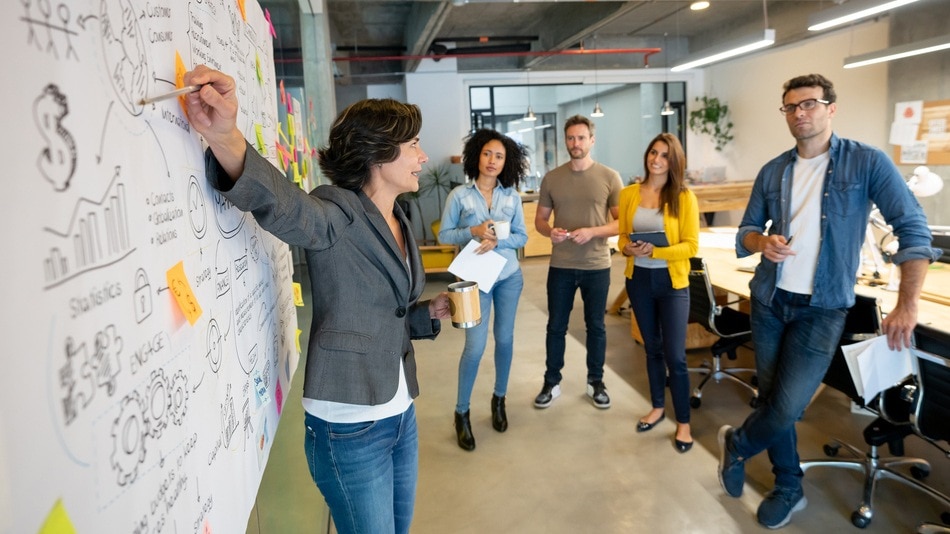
495 163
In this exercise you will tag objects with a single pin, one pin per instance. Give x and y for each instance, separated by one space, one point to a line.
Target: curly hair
675 176
367 133
516 156
812 80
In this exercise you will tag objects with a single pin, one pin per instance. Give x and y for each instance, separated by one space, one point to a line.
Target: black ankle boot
463 431
499 419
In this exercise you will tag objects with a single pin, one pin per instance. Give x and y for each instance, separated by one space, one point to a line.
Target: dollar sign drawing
57 159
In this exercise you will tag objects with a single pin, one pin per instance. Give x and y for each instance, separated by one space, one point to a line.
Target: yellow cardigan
682 233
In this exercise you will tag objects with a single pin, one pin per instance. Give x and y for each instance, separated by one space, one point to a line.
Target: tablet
658 239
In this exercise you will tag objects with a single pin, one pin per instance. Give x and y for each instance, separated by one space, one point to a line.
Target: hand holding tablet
657 239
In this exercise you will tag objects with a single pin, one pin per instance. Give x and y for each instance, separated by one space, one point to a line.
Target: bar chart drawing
97 235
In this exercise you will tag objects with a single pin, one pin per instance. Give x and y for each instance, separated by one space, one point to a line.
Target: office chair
930 410
731 326
893 424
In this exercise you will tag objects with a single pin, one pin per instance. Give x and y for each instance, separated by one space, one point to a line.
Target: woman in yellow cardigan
657 277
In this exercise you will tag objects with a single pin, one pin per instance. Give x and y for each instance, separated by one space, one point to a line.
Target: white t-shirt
797 274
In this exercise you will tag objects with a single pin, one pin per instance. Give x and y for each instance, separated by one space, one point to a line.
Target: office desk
724 274
723 196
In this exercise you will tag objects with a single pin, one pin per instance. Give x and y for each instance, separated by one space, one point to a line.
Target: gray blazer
365 297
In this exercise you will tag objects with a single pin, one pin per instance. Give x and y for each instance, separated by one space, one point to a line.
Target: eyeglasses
806 105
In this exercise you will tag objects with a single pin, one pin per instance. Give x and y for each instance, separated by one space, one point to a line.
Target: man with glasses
820 193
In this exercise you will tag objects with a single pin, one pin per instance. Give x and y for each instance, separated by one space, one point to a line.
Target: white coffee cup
502 229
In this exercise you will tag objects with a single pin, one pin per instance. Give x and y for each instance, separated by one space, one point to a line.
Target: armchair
437 258
730 326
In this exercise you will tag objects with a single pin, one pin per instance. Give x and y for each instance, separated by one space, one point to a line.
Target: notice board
149 327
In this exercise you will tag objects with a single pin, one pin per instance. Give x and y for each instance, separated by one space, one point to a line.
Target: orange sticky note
58 521
181 289
298 294
243 9
180 71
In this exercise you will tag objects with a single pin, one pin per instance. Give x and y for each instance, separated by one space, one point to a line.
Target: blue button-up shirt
858 177
465 208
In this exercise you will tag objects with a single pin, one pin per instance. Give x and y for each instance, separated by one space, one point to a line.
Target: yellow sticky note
298 294
299 331
180 71
243 9
291 131
58 522
181 289
261 146
297 177
257 68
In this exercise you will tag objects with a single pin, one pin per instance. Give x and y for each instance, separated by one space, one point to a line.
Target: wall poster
149 328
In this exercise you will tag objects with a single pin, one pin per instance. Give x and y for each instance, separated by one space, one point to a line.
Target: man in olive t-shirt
583 196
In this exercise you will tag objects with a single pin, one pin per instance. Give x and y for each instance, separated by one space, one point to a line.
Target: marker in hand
178 92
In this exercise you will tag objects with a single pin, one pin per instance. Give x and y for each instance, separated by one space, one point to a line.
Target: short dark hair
364 134
579 119
516 156
812 80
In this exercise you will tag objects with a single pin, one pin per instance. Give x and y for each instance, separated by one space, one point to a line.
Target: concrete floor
574 468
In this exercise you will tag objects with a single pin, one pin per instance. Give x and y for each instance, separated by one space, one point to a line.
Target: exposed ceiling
377 41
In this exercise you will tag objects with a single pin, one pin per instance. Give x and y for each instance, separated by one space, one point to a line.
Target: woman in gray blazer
361 439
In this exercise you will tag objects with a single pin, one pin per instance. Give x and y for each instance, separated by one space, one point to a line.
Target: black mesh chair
731 326
930 410
894 421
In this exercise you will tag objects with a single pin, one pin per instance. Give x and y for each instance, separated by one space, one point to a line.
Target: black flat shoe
499 418
682 446
643 426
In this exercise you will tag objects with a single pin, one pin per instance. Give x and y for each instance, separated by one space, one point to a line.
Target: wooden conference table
724 272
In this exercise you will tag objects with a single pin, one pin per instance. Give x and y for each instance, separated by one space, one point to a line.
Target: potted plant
712 118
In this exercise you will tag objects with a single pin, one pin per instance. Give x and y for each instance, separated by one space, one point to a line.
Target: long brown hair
676 176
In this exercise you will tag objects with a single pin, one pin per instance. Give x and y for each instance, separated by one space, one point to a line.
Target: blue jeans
794 345
562 286
367 471
505 294
662 313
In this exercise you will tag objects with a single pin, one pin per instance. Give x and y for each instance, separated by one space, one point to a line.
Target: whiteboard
123 409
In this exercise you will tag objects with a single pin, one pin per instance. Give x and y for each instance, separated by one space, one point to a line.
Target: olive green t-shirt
580 200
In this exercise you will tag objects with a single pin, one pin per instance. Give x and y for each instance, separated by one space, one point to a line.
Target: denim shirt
465 208
858 177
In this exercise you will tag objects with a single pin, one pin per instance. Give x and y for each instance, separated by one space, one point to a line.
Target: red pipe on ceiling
647 52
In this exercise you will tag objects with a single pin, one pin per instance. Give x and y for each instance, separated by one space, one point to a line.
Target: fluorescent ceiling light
897 52
698 6
729 50
850 12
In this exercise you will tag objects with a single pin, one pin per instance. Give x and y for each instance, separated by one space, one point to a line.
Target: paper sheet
481 268
875 367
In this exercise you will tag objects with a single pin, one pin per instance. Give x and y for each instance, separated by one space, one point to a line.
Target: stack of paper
875 367
481 268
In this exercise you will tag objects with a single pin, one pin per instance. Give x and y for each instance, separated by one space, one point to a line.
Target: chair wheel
695 402
754 380
859 520
831 450
945 517
919 472
755 402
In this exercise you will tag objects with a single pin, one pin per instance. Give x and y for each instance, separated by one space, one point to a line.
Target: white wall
752 87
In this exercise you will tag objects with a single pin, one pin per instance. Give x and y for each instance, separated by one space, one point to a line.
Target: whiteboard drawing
142 413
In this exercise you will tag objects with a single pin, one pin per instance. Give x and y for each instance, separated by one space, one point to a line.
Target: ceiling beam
425 21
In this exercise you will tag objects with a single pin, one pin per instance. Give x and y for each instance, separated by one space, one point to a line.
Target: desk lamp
923 183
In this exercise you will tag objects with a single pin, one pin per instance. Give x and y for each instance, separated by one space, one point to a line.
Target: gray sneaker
776 510
597 392
731 468
548 393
